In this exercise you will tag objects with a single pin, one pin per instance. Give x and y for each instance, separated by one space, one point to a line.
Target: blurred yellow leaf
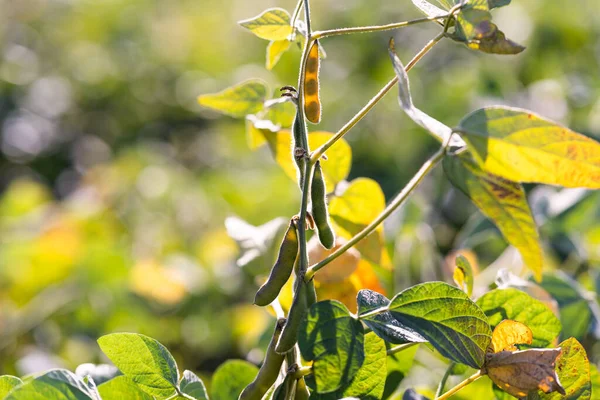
508 333
524 147
357 207
335 168
271 24
152 280
337 270
275 50
238 101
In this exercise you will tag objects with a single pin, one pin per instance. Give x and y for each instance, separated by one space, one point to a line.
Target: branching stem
399 348
318 153
375 28
442 384
461 385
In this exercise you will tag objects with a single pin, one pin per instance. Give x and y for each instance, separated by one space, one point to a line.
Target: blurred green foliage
114 184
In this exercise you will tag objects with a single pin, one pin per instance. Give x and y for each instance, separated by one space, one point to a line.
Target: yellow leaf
335 168
523 147
508 333
463 274
154 281
275 50
340 268
271 24
358 206
238 101
520 372
503 202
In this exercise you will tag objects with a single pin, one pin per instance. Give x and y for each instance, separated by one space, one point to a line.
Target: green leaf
595 379
501 304
193 386
143 359
447 317
369 381
237 101
398 366
463 275
231 378
57 384
333 339
523 147
496 43
498 3
473 20
575 313
384 324
122 387
503 202
275 50
271 24
8 383
573 369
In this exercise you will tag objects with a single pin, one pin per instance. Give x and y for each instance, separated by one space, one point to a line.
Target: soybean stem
442 384
296 13
315 155
375 28
396 202
399 348
461 385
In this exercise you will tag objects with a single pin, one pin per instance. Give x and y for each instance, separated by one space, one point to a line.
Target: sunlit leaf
474 18
335 168
239 100
463 274
275 50
369 381
231 378
519 372
595 379
501 304
573 369
445 316
340 268
502 201
497 43
384 324
333 339
524 147
7 383
56 384
509 333
271 24
143 359
122 387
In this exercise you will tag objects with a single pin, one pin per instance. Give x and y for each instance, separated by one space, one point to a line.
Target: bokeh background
115 184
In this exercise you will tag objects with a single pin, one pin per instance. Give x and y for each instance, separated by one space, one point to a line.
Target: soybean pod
268 373
302 392
299 146
289 335
311 293
312 102
318 197
282 270
287 387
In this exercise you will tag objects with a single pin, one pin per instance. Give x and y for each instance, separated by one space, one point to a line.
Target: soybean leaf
503 202
193 386
335 168
447 318
239 100
595 379
271 24
333 339
369 381
384 324
498 3
57 384
495 43
8 383
429 9
523 147
573 369
501 304
463 274
575 313
440 131
143 359
122 387
275 50
231 378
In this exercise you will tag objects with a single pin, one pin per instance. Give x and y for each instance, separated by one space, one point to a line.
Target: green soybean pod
269 371
311 293
299 147
289 335
281 271
318 198
287 386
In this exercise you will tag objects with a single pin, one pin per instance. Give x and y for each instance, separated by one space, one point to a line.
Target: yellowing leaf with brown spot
508 333
335 168
271 24
523 147
503 202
